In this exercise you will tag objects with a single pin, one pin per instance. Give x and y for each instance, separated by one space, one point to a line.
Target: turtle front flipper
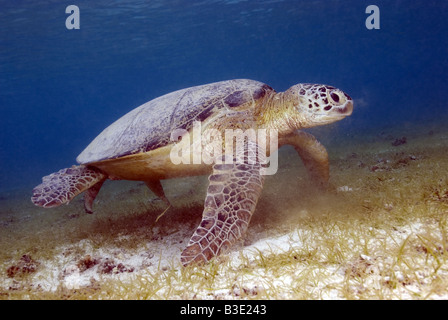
232 196
62 186
313 154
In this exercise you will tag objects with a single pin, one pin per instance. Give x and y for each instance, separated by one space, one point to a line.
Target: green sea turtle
138 147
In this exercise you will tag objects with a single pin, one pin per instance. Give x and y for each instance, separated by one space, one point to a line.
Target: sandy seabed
380 232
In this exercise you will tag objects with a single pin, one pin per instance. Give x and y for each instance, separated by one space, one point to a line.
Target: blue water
59 88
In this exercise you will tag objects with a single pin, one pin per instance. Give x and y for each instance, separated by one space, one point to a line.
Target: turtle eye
335 97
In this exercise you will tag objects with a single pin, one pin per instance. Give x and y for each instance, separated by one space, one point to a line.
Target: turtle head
316 104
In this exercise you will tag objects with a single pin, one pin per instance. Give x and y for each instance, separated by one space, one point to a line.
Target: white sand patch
242 272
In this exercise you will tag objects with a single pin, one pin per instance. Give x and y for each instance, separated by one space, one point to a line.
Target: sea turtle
139 146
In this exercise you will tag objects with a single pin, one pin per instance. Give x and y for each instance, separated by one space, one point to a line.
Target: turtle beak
347 109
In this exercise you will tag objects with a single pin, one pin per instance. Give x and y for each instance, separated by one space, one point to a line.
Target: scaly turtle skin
138 146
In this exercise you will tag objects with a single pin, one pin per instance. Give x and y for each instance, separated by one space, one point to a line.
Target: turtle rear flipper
156 187
232 196
62 186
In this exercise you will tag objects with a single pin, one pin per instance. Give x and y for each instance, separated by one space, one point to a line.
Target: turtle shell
149 126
